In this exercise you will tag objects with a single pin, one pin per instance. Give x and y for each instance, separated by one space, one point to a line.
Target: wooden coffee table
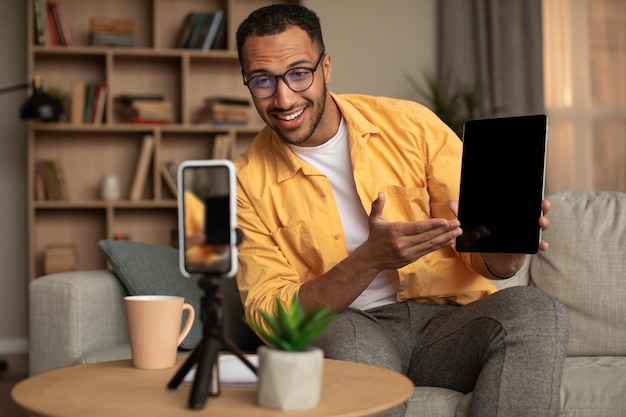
116 389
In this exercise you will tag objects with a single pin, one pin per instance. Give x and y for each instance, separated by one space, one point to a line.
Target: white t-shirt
333 160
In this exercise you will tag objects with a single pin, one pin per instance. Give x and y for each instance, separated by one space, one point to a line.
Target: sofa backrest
585 268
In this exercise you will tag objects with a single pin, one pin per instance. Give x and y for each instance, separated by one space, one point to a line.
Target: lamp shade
40 105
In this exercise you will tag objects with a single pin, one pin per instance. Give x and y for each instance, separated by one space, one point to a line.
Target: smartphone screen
207 218
502 184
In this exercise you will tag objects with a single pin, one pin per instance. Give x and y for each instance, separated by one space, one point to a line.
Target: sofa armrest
74 313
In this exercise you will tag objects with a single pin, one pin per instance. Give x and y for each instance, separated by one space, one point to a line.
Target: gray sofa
78 317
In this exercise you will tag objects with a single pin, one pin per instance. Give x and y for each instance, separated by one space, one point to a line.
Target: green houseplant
292 329
453 103
290 370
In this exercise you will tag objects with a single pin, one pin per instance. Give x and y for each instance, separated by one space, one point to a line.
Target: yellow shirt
291 226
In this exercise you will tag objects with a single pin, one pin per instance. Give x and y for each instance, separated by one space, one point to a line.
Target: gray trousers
508 349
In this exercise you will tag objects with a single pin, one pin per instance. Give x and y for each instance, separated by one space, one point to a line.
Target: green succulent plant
292 329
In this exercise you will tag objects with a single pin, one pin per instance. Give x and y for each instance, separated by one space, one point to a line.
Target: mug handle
191 314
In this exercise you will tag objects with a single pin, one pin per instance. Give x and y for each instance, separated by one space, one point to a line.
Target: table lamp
39 105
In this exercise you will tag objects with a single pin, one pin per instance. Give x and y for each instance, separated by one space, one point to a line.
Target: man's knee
531 307
355 336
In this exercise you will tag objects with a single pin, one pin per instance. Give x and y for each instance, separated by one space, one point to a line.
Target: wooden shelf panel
82 228
86 158
87 152
153 226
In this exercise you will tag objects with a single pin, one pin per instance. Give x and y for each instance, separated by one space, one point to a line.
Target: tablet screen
502 184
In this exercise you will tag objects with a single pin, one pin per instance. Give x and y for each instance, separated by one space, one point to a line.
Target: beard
316 118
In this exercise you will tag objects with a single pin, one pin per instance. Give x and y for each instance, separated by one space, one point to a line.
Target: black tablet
502 184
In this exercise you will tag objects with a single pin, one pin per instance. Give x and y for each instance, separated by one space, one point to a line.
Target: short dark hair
277 18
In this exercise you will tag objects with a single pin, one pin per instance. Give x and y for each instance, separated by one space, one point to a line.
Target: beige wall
13 290
372 43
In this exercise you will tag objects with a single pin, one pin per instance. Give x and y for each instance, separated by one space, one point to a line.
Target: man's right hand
392 245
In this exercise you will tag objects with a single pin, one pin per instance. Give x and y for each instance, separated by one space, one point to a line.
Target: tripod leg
184 369
204 373
233 348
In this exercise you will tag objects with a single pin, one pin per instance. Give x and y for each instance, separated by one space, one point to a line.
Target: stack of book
110 31
203 30
224 110
143 109
59 258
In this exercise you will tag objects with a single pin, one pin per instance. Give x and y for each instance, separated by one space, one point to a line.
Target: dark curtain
496 44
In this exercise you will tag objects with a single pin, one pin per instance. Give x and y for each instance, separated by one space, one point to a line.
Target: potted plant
290 370
453 103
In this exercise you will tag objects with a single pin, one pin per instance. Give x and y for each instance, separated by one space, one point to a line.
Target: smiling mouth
290 116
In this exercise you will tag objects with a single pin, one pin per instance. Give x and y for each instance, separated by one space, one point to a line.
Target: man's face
295 116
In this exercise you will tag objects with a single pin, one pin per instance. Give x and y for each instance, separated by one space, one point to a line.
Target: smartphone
207 218
502 184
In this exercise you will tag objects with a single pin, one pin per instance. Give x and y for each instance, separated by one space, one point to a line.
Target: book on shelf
140 121
169 170
221 41
48 180
52 34
128 98
53 180
111 39
63 27
200 26
111 24
77 102
142 168
90 94
40 186
99 102
40 26
185 30
111 31
221 146
59 258
216 21
58 29
145 110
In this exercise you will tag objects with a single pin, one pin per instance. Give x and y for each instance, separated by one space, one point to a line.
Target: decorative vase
110 188
289 380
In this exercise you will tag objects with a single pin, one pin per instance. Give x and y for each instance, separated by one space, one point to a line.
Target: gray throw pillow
150 269
146 269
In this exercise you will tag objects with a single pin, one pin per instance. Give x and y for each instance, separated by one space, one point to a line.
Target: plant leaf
287 322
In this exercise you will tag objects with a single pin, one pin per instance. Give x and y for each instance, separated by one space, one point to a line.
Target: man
346 201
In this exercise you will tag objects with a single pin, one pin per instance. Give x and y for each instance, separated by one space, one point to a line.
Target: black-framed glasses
297 79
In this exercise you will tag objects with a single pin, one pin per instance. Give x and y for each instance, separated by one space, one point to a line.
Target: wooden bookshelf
88 152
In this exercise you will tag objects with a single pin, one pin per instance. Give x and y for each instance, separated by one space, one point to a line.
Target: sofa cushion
584 268
146 269
150 269
593 387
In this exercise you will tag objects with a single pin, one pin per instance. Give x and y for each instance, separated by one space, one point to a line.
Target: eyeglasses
297 79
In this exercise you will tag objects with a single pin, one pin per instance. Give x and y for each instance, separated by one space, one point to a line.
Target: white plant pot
289 380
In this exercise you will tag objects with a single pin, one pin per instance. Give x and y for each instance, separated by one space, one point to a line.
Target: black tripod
205 354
